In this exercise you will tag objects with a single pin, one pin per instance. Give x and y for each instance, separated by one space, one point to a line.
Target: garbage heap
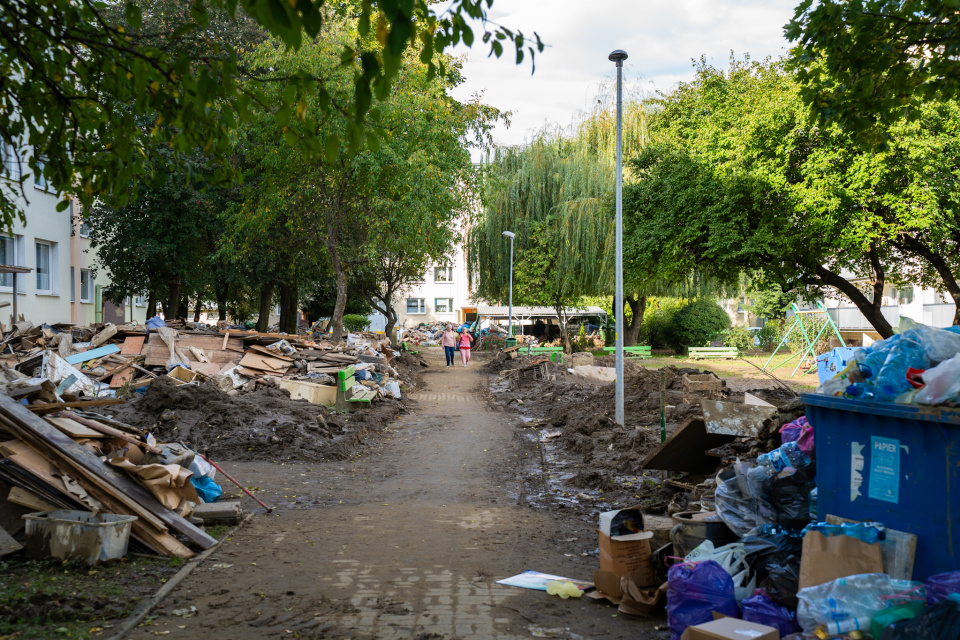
862 546
119 421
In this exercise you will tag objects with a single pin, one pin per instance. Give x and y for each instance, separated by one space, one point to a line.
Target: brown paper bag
824 559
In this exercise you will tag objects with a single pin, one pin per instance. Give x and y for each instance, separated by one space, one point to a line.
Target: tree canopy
92 90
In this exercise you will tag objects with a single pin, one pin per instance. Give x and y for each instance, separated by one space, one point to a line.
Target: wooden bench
554 353
642 351
696 353
346 378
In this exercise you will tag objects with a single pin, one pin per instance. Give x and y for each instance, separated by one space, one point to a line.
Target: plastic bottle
867 531
793 453
839 627
813 504
907 352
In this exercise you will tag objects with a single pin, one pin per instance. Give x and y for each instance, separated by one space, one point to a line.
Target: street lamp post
510 235
618 57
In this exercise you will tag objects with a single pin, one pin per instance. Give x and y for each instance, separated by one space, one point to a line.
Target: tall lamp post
510 234
618 57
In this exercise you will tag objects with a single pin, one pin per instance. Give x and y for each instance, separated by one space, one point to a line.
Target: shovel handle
230 478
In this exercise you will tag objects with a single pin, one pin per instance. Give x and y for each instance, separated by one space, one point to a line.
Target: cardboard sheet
169 483
827 558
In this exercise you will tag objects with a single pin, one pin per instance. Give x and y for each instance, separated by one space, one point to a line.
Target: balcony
938 315
851 319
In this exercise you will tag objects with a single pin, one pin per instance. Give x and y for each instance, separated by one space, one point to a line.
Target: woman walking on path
465 341
449 342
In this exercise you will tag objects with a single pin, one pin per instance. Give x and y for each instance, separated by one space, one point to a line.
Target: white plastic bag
733 558
201 468
941 383
393 388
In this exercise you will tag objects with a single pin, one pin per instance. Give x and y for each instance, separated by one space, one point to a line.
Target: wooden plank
226 338
206 368
684 449
7 544
92 354
112 481
133 345
24 498
74 429
110 431
78 404
122 377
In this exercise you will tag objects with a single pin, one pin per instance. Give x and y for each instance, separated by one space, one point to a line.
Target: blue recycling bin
894 464
834 361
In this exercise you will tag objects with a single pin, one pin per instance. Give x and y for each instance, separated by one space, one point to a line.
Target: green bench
345 396
555 353
641 352
406 347
696 353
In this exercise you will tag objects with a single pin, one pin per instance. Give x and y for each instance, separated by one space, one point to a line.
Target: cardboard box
730 629
629 554
630 599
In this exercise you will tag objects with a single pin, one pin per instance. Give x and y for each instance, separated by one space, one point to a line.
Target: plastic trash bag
941 383
762 610
739 508
733 558
790 496
939 622
883 619
202 468
937 344
393 388
790 432
207 489
783 581
942 585
694 592
858 596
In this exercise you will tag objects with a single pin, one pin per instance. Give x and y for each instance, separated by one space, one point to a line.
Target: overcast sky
660 37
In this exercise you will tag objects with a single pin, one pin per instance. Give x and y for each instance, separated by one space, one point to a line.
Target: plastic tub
78 535
832 362
895 464
509 342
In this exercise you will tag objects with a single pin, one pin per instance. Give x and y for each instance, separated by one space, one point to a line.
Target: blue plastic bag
940 586
694 592
207 489
762 610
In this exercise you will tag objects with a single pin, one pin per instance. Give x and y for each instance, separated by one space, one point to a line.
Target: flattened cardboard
730 629
630 599
827 558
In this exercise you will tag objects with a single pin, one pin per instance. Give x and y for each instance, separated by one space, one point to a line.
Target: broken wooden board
156 353
122 377
7 544
74 429
133 345
310 391
24 498
685 449
267 364
92 354
735 419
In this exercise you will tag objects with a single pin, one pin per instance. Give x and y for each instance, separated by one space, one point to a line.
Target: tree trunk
172 304
222 292
266 303
196 311
872 311
183 309
638 306
336 321
288 307
567 347
152 305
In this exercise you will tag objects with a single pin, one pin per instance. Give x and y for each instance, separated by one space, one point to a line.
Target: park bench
554 353
406 347
345 396
696 353
642 352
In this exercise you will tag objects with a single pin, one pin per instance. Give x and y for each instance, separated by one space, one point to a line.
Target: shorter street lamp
510 234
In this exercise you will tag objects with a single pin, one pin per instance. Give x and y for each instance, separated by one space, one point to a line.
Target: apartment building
441 296
62 285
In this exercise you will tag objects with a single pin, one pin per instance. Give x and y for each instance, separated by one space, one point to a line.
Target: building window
73 286
8 255
39 181
46 258
416 305
443 274
11 164
444 305
86 285
140 301
905 295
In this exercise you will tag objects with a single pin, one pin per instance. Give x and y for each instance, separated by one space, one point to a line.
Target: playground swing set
810 343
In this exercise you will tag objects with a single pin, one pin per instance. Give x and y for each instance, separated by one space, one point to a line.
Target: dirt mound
263 425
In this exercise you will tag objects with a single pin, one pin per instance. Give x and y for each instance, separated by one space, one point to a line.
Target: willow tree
555 193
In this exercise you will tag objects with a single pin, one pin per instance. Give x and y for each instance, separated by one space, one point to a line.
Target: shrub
738 336
655 329
770 335
354 322
697 324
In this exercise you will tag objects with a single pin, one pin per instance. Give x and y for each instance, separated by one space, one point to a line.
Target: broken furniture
345 390
554 353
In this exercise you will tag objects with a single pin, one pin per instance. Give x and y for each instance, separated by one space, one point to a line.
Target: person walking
465 341
449 342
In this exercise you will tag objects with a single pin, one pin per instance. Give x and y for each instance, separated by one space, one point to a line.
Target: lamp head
618 56
509 234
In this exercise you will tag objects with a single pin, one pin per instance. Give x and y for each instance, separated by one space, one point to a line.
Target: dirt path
404 541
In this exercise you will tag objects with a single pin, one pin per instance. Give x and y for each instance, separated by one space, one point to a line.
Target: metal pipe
618 57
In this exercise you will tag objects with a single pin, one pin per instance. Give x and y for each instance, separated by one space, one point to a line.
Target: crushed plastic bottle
564 589
786 455
867 531
813 504
906 353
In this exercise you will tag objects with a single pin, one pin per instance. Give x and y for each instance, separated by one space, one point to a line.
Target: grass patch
52 599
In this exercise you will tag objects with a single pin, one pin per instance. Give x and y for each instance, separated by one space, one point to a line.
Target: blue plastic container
894 464
832 362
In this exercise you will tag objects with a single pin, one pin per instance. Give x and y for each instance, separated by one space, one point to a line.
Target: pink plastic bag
805 441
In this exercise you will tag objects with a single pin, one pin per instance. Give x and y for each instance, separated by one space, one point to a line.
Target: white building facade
442 296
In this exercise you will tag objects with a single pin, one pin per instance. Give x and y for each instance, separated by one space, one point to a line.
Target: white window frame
52 267
17 241
140 301
440 271
436 305
89 298
11 165
73 284
39 181
422 306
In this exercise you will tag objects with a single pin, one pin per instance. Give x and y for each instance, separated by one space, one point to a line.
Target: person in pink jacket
449 342
465 341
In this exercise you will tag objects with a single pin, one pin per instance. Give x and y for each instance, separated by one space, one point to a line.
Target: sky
661 38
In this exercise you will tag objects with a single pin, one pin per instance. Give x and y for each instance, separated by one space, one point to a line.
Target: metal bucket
78 535
691 528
